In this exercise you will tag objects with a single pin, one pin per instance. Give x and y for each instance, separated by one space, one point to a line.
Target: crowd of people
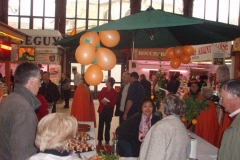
29 131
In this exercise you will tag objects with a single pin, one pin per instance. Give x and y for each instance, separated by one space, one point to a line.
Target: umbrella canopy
160 29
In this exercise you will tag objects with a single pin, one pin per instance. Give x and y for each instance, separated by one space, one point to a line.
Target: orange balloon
169 53
188 50
185 59
109 38
93 75
175 63
178 51
106 59
85 53
90 37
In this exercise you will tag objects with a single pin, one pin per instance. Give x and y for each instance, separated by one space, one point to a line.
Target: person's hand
141 136
124 116
104 102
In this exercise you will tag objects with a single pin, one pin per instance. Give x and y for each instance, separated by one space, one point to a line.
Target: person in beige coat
168 139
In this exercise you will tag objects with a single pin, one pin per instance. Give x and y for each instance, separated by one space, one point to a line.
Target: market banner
209 51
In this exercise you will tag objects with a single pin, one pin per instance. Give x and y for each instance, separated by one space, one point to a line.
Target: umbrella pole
133 64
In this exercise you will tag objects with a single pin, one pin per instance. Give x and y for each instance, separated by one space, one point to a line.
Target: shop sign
46 50
47 58
150 54
205 52
218 59
40 40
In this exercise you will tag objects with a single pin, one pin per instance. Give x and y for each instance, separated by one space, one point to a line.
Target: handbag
66 86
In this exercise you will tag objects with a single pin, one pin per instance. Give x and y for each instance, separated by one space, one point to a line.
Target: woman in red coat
207 122
43 109
107 100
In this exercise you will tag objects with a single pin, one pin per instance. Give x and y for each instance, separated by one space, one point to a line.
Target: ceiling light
13 37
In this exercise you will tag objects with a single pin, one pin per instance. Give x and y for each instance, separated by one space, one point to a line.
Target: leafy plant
194 107
106 156
159 80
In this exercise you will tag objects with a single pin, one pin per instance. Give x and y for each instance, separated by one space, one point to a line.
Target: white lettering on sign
205 49
149 53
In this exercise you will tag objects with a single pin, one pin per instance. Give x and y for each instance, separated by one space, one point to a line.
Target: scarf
28 95
145 124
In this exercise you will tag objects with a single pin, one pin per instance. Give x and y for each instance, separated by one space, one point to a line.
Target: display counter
205 150
91 141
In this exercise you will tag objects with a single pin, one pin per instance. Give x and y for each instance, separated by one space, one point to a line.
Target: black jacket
129 130
147 86
50 92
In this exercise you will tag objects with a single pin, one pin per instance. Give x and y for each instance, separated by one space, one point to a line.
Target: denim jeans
126 146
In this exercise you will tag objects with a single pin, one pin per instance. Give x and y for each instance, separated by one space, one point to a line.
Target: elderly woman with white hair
168 139
53 135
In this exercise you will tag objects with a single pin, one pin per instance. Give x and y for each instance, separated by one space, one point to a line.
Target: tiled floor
114 124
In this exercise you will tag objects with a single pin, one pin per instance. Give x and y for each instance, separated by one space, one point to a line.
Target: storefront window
116 73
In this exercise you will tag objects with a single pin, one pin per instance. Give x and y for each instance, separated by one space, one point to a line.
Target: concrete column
187 7
4 11
60 16
135 6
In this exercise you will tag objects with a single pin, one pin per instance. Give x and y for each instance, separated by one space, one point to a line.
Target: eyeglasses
37 79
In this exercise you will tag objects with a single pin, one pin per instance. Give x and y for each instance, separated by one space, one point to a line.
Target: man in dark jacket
18 120
136 93
49 90
146 85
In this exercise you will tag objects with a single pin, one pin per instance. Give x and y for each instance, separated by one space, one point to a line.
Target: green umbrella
160 29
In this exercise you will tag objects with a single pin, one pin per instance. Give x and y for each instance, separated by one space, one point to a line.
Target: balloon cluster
179 55
101 58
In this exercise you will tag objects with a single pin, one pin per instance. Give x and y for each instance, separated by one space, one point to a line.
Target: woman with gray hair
53 135
168 139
